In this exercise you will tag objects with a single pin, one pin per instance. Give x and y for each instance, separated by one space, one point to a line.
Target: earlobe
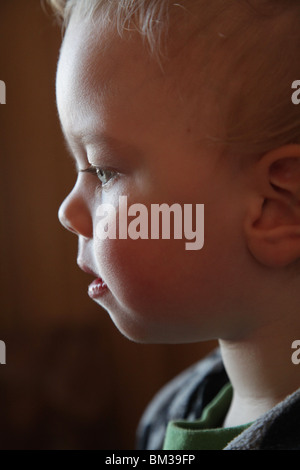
272 224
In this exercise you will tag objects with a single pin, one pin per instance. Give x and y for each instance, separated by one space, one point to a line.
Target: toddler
188 103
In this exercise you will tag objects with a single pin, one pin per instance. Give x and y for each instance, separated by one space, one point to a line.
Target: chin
140 328
130 324
142 332
136 330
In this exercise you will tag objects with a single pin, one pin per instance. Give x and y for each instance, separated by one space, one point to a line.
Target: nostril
71 229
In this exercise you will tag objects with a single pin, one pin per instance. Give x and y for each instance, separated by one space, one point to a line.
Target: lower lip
97 288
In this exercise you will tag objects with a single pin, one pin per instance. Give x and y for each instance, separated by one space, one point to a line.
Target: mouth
98 287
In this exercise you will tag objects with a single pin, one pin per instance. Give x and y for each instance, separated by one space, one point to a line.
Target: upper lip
87 270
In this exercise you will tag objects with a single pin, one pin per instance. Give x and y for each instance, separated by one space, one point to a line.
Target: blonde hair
249 59
149 17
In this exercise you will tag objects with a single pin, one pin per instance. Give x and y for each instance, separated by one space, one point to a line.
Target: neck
261 372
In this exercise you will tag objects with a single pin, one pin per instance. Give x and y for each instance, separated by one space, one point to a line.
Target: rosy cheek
143 275
128 267
116 262
120 261
123 261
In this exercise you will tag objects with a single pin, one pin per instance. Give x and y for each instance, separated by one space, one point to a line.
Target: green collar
207 432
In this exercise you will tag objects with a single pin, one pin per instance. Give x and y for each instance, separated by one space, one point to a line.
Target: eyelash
100 172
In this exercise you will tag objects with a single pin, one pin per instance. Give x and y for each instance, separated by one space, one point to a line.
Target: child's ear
272 225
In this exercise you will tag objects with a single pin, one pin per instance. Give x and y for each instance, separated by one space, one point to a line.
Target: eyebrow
85 138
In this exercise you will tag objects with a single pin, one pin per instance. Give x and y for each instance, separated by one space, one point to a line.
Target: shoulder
182 398
278 429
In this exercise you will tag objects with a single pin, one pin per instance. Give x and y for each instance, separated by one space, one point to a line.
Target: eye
104 176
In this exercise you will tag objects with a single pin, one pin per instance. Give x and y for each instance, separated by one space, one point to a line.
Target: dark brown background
71 380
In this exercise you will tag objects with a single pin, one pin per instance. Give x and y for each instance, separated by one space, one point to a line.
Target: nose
74 215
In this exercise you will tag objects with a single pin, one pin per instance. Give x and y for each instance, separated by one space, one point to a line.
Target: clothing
207 432
186 396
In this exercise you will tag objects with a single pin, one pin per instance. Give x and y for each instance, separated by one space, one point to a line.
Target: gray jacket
187 395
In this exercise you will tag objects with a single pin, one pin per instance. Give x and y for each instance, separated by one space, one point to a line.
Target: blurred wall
71 380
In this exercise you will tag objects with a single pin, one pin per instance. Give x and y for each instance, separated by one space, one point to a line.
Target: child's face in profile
120 113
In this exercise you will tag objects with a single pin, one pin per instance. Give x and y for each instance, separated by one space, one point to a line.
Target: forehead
96 65
113 84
